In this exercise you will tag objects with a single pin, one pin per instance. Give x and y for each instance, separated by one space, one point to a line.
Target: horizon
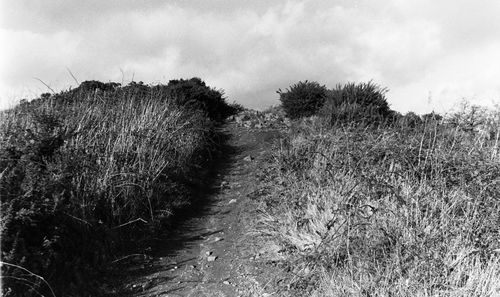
427 59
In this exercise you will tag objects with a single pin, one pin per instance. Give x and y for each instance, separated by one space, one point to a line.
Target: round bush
303 99
195 94
362 103
410 120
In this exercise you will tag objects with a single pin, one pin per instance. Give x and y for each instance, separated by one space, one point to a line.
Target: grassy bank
90 172
390 211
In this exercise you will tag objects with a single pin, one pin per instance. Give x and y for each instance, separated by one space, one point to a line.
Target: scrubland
361 200
92 172
406 207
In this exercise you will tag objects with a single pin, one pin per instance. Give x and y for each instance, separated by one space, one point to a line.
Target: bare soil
213 249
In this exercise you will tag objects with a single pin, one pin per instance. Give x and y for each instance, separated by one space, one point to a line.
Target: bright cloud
428 54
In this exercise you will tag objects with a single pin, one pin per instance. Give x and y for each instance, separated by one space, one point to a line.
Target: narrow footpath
213 252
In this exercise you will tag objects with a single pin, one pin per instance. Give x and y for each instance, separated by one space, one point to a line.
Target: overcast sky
428 53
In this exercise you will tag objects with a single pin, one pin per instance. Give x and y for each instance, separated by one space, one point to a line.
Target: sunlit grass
389 211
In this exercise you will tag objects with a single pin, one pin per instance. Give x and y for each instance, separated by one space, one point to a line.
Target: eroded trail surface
212 251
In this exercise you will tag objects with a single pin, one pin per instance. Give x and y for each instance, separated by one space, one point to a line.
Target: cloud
252 48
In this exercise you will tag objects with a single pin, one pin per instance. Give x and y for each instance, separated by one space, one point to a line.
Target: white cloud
448 49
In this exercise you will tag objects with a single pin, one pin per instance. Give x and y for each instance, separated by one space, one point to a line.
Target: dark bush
303 99
195 94
410 120
432 117
93 85
362 103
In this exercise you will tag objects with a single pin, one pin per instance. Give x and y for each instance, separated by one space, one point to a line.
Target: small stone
239 118
248 159
211 258
226 282
224 185
147 285
232 201
208 253
217 239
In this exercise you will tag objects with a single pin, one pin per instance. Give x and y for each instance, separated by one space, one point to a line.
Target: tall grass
86 173
393 211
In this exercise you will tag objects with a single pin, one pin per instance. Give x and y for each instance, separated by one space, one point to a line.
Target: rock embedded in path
147 285
211 258
224 185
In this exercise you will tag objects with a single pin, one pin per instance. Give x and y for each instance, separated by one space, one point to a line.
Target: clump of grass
389 211
88 172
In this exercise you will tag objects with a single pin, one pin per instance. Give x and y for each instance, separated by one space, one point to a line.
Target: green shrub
362 103
303 99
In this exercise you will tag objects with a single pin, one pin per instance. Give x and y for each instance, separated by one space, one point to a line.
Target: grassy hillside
91 172
410 208
361 200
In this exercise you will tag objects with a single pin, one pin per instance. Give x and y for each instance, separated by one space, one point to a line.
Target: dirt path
211 252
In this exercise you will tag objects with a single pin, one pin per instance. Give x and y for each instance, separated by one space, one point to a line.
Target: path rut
210 252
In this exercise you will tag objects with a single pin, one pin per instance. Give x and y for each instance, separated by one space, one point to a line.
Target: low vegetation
303 99
90 172
361 200
362 103
405 208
